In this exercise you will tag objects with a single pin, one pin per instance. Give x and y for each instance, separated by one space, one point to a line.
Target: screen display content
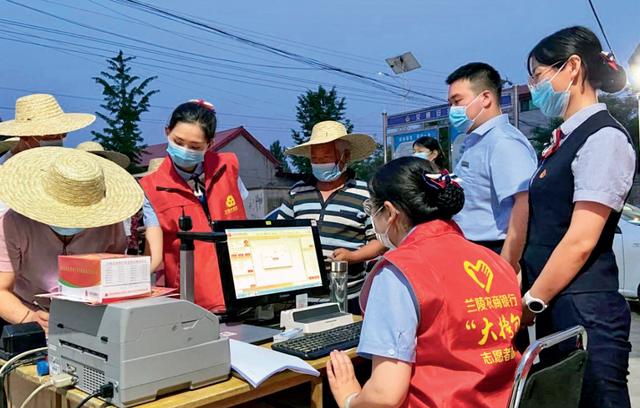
267 261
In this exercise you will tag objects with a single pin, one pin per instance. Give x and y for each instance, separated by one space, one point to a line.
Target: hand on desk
342 378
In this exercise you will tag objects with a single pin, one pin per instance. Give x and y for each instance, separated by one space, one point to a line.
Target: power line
271 49
177 56
595 14
355 95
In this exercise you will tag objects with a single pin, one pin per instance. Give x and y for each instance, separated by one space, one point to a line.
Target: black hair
600 71
404 183
433 145
196 113
482 76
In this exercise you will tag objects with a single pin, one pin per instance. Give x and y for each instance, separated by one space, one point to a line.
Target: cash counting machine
144 347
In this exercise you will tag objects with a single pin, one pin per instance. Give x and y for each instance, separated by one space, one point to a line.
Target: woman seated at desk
440 311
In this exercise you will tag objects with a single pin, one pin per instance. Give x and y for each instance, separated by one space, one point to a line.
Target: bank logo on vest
231 205
481 274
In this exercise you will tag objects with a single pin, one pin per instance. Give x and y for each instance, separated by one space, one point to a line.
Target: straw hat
96 148
68 188
154 164
40 115
8 144
361 145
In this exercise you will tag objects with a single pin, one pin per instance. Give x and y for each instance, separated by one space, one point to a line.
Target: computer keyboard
316 345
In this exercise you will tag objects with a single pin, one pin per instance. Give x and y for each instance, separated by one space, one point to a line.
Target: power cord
58 381
105 391
8 364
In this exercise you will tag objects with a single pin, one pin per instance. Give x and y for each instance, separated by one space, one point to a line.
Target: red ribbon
204 104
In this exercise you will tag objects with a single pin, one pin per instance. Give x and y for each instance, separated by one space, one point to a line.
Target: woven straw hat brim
8 144
118 158
64 123
362 146
22 189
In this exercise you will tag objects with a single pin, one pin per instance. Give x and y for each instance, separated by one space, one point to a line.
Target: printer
144 348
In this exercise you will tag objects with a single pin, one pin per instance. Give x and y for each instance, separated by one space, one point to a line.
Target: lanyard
200 192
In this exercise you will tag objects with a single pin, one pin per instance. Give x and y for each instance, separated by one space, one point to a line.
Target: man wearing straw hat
62 202
334 198
40 121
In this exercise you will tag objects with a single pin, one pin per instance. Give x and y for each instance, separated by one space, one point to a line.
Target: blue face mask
421 155
458 118
184 157
66 232
552 104
326 171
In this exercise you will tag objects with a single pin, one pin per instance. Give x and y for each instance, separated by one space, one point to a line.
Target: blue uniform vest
551 207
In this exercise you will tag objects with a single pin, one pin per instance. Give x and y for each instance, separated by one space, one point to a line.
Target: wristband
25 316
347 401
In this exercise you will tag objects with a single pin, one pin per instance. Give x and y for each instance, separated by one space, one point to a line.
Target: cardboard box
98 277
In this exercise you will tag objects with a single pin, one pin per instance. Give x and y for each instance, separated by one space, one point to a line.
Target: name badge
464 164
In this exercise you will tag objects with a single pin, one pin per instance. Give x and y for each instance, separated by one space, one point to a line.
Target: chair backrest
558 385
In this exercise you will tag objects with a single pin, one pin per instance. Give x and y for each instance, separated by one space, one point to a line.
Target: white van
626 246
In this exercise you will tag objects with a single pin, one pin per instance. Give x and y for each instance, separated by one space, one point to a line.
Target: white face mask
383 237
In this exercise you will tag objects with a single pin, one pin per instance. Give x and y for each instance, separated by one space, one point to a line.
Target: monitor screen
272 260
268 261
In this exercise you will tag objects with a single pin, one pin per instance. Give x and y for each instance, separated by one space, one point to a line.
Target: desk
22 381
228 393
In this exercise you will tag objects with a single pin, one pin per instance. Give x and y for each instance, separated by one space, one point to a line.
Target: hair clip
437 181
204 104
610 60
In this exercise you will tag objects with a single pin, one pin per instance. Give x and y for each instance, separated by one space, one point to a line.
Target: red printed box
98 277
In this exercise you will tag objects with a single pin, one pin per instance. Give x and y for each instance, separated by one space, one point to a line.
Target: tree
624 108
278 152
125 99
314 107
366 168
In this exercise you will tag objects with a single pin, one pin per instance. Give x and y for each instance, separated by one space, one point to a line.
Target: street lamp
399 65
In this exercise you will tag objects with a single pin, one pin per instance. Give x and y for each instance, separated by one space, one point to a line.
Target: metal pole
384 136
516 107
187 275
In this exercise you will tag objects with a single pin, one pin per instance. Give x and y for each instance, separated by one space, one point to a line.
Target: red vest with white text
469 304
168 194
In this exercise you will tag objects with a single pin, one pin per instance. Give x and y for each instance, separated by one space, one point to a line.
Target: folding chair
558 385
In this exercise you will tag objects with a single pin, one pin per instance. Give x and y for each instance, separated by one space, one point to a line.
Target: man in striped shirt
334 198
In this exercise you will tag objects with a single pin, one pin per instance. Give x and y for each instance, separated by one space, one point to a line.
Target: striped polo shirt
342 222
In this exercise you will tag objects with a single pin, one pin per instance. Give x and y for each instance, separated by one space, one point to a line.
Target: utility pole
384 136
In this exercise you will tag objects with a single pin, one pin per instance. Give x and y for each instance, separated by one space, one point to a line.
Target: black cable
595 14
88 398
4 403
105 391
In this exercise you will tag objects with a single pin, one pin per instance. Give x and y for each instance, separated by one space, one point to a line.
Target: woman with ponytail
571 273
440 312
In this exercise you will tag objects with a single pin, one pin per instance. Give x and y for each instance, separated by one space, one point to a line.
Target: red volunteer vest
469 302
168 193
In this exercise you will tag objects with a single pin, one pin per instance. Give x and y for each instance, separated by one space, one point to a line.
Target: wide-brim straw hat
154 165
361 145
41 115
68 188
8 144
96 148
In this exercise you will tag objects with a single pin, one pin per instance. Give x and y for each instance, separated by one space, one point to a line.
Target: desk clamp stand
187 247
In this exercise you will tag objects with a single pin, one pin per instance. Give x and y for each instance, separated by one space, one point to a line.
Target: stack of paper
256 364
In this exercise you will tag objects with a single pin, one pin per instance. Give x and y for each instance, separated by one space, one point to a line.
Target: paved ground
634 361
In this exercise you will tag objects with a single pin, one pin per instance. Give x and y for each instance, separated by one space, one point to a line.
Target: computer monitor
264 262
